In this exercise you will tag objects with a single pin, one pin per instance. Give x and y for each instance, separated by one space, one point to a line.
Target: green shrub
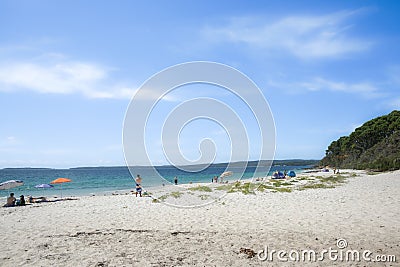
201 188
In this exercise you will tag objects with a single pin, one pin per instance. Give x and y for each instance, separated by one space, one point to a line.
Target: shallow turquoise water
106 180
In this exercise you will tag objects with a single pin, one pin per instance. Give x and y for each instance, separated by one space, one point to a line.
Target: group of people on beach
12 201
214 179
139 188
217 179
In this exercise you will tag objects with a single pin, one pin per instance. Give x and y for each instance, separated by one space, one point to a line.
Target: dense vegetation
375 145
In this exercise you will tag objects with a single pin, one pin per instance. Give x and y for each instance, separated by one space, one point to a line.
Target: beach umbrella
43 186
226 174
7 185
60 181
10 184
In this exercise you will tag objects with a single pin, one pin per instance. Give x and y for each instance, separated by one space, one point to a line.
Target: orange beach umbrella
61 181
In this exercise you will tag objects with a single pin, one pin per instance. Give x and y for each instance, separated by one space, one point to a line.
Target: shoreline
168 188
89 181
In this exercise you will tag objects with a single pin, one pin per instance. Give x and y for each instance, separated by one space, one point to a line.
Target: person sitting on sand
21 200
138 181
10 201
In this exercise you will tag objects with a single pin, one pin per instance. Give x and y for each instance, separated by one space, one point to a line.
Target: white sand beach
125 230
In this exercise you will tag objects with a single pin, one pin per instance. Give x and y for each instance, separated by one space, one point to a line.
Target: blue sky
69 68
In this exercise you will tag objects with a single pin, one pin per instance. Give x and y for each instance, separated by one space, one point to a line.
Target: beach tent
278 175
291 174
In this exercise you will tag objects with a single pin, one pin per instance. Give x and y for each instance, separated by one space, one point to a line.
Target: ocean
107 180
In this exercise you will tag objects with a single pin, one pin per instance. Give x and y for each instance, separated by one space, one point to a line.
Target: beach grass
283 189
285 186
276 183
162 198
245 188
315 186
251 188
263 187
201 188
306 178
224 187
274 186
325 182
176 194
248 188
333 179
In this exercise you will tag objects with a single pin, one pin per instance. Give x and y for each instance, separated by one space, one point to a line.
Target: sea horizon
275 161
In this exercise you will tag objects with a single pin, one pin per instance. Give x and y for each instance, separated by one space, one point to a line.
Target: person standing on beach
176 180
138 181
216 179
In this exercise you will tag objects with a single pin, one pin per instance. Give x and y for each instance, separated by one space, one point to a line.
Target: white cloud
365 89
11 139
9 145
67 77
154 95
61 77
303 36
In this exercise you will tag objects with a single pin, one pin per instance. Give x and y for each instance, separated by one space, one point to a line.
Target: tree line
375 145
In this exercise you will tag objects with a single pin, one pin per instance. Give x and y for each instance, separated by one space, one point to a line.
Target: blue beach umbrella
43 186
